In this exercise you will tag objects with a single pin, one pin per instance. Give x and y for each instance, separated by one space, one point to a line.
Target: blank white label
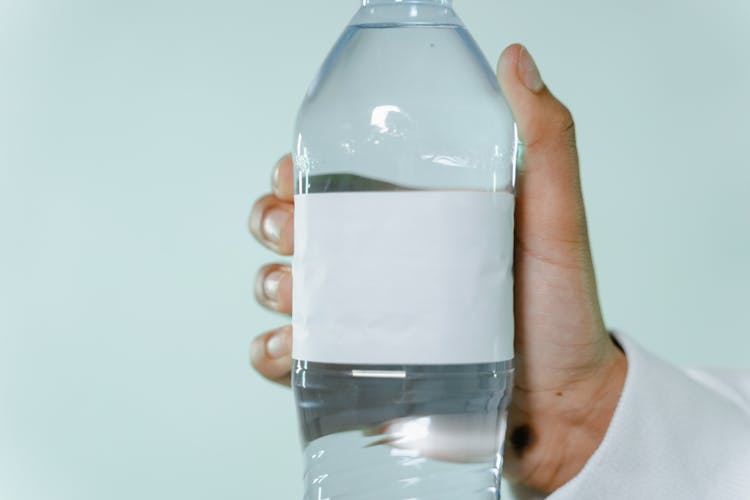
405 277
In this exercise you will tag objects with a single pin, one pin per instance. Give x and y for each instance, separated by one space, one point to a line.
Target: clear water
402 432
404 100
416 106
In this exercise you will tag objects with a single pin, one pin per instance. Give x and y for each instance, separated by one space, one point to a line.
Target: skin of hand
569 371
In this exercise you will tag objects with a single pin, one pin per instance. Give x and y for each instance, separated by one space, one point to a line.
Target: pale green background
134 136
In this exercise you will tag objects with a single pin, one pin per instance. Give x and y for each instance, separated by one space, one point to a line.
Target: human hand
569 372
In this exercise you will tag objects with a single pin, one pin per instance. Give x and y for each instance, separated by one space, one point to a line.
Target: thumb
555 286
561 342
549 209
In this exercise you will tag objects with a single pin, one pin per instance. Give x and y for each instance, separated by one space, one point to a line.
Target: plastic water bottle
403 298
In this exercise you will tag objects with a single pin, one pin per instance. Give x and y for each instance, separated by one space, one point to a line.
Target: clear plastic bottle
403 300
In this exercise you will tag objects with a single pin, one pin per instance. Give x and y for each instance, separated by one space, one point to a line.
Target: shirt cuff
671 437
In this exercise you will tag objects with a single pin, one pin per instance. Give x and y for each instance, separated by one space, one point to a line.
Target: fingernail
257 350
273 223
277 346
528 71
271 285
275 177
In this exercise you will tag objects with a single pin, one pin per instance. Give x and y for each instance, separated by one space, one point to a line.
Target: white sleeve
675 435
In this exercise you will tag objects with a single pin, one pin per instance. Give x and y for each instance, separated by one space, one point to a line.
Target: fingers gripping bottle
403 297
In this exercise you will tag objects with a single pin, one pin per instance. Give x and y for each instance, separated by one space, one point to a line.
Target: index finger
282 180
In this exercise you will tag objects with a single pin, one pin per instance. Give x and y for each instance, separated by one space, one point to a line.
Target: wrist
586 432
559 438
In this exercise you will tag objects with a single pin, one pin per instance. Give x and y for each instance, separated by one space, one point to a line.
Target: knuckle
564 120
554 127
563 126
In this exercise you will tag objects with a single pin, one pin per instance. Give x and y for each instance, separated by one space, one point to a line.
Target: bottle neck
406 12
380 2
